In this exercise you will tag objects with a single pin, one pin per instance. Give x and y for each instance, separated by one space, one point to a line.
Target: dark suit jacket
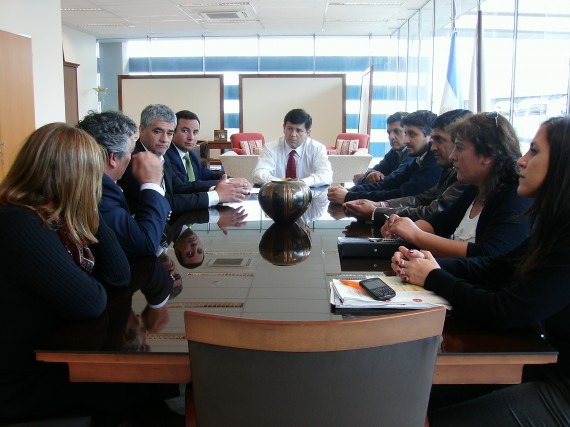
182 196
139 236
204 176
501 226
413 179
390 163
173 229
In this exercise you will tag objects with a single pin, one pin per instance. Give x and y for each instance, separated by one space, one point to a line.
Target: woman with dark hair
526 288
486 219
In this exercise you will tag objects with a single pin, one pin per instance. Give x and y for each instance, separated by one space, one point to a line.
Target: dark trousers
536 403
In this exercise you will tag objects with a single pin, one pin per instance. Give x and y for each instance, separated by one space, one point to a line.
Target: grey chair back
368 371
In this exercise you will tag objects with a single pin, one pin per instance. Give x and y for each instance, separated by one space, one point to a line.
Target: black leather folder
355 247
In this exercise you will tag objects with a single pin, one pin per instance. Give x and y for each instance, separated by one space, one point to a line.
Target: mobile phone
378 289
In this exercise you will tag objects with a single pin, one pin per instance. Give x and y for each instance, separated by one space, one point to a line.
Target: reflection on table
233 261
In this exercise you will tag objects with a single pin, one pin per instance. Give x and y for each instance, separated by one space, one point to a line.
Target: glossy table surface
238 277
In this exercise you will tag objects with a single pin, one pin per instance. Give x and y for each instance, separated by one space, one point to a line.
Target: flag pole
453 12
478 62
568 92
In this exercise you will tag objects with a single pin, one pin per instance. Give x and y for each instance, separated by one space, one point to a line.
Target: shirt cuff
162 304
214 216
152 186
213 198
310 181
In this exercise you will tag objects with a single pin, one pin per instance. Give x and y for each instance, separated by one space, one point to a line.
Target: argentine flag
452 98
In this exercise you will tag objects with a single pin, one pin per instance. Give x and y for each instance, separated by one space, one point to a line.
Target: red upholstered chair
362 138
245 137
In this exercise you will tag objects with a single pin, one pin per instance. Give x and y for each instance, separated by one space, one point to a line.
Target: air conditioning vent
223 15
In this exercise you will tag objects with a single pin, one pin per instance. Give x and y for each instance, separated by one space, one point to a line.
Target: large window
526 62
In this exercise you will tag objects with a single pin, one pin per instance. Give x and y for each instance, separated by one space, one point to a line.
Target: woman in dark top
528 287
59 263
486 219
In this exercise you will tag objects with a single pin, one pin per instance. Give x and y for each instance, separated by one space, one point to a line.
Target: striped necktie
189 169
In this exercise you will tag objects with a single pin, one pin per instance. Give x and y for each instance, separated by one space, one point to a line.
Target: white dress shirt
313 166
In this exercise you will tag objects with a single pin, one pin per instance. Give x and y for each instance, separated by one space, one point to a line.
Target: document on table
348 294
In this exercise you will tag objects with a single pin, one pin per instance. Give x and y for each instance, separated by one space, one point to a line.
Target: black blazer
501 226
182 196
139 232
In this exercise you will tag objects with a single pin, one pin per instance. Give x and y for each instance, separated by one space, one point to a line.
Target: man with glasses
295 155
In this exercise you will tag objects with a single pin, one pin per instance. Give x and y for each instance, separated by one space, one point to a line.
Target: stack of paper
348 294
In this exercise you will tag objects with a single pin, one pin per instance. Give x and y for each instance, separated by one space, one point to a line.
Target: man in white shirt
295 155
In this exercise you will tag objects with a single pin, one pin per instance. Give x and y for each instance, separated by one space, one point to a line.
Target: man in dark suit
415 178
139 231
155 134
187 244
396 158
184 161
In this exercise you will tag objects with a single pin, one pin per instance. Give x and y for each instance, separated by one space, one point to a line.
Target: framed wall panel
204 95
266 98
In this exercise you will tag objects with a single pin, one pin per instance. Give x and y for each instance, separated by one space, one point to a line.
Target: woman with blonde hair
58 263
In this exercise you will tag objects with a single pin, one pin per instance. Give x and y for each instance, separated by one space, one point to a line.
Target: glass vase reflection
285 244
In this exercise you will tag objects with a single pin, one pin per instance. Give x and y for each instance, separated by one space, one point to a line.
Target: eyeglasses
493 115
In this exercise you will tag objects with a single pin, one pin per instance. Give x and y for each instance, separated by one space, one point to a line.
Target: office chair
247 142
366 371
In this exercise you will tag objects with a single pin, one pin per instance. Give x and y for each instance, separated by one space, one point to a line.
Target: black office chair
368 371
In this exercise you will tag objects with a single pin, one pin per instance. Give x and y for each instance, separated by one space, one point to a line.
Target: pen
387 216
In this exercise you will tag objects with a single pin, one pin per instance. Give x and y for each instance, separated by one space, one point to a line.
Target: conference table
257 269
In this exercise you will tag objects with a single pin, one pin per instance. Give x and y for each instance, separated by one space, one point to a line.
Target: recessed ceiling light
228 4
358 20
360 3
228 21
106 25
81 9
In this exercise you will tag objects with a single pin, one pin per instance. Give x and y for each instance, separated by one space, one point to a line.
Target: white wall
41 20
81 48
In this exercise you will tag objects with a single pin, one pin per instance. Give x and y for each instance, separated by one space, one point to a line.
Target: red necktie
291 171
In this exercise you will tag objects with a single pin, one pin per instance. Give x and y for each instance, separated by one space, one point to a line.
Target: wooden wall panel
17 113
70 87
266 98
203 95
